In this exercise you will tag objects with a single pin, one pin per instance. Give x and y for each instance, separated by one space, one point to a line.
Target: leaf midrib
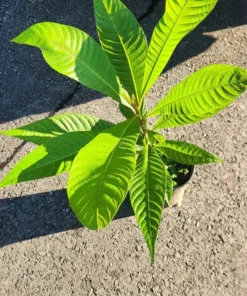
125 50
90 69
166 147
191 94
40 167
157 59
106 166
147 194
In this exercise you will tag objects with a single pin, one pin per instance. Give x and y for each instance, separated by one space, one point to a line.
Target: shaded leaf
168 187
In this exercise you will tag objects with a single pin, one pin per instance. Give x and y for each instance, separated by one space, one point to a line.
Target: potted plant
105 161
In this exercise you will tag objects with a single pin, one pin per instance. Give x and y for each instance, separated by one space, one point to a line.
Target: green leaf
75 54
147 194
155 138
181 17
40 131
101 173
53 158
201 95
187 153
124 42
168 187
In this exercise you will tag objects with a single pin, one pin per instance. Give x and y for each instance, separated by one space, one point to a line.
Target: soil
202 246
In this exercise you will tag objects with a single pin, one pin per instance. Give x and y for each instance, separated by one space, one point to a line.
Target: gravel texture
202 246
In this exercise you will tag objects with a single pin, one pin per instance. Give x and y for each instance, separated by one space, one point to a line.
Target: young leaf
75 54
201 95
147 194
187 153
40 131
53 158
181 17
124 42
101 174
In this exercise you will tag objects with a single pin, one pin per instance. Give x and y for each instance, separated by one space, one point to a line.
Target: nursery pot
178 192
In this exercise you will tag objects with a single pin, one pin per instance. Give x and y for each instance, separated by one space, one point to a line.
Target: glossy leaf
181 17
147 194
187 153
201 95
40 131
75 54
124 42
52 159
101 173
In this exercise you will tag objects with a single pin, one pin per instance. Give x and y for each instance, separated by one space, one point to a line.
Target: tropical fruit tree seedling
105 161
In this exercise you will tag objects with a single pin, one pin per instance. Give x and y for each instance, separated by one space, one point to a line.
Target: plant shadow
37 89
36 215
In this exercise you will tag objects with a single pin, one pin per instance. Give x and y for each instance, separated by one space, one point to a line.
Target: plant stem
142 124
140 118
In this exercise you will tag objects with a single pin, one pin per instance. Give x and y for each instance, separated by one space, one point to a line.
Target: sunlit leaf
54 158
101 173
40 131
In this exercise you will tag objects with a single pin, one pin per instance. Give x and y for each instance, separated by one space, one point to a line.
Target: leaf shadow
36 215
35 88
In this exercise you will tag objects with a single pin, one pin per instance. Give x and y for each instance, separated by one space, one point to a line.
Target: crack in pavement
70 97
8 160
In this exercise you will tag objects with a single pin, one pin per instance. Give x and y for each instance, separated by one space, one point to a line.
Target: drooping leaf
101 173
147 194
187 153
53 158
201 95
40 131
124 42
181 17
75 54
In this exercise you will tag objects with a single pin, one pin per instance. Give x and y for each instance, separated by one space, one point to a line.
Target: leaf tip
17 39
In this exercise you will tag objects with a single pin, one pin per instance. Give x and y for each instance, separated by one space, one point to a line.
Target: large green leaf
147 194
201 95
75 54
187 153
40 131
101 173
53 158
181 17
124 42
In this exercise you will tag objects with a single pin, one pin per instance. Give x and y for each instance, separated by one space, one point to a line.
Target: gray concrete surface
202 246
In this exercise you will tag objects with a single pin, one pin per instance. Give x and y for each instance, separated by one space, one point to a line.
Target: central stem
142 124
140 118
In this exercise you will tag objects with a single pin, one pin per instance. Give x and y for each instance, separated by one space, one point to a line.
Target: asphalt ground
202 246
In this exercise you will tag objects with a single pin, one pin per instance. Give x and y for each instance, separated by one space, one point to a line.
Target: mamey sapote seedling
105 161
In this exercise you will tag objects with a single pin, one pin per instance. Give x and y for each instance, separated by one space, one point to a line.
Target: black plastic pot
178 192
